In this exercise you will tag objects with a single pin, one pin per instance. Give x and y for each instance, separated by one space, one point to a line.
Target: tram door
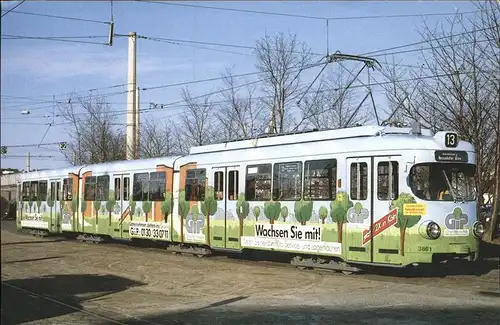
225 227
52 202
122 193
356 238
373 184
385 242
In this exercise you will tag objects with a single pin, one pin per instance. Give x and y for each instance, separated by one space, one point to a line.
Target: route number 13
451 140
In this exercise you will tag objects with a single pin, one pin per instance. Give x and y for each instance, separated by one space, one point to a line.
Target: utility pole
28 163
131 97
137 122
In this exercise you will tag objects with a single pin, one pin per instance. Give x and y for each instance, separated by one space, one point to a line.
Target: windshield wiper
449 186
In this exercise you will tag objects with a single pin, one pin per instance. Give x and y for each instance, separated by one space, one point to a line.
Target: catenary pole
28 162
131 97
137 122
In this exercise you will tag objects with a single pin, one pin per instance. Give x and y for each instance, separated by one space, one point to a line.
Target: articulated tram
341 199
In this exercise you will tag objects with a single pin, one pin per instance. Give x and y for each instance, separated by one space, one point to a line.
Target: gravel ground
53 281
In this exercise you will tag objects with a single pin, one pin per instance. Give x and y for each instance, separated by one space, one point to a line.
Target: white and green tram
377 195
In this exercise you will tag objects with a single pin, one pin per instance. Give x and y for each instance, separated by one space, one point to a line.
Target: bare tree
158 138
453 91
400 94
94 135
490 234
239 116
487 23
281 59
197 123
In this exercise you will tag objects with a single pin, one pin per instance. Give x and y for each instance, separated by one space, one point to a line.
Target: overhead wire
31 158
23 106
144 88
424 48
248 47
298 70
363 85
260 97
235 10
213 79
258 72
29 106
154 38
173 40
31 145
200 47
261 12
430 40
389 82
121 112
11 9
56 39
178 104
66 101
69 93
170 105
59 17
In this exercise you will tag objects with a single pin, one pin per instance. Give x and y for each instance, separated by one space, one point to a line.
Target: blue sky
37 70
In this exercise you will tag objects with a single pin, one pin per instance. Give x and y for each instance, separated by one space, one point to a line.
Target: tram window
233 183
34 191
89 191
258 183
26 191
387 180
157 186
359 181
52 191
126 188
141 187
431 181
320 179
58 191
195 185
219 185
102 188
42 188
118 190
287 181
67 189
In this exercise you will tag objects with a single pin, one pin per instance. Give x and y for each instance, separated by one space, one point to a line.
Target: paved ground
50 281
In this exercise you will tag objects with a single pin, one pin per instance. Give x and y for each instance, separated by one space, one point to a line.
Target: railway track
264 259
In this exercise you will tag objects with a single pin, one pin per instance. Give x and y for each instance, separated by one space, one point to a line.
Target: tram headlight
478 229
433 230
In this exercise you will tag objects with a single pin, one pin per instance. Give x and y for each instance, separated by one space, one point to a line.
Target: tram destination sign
451 156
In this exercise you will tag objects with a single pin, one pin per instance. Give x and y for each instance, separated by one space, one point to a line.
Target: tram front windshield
443 182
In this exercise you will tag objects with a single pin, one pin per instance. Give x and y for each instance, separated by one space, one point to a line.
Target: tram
339 199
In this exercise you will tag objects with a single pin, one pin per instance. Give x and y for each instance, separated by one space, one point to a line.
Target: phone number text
144 232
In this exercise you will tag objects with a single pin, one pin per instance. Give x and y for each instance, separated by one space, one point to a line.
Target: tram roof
354 134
